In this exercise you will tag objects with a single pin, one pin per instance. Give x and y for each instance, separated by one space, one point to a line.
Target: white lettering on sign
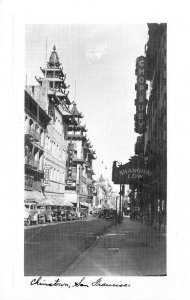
141 102
134 172
141 79
141 71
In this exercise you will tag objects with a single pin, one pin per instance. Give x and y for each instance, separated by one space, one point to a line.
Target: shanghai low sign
130 172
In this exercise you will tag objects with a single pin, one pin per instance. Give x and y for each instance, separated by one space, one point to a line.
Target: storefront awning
84 204
48 201
33 195
54 200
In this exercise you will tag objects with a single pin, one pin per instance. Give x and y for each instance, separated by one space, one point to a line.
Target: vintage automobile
71 215
111 214
44 213
83 214
54 212
102 213
77 217
30 213
62 215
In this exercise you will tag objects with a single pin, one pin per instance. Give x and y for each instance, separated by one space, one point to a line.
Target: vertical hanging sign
46 175
140 101
70 159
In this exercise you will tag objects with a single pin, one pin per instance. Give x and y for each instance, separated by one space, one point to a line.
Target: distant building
105 197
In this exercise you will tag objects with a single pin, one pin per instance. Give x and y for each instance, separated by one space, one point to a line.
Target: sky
101 60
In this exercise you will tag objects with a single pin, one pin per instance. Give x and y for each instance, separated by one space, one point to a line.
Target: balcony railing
32 163
33 134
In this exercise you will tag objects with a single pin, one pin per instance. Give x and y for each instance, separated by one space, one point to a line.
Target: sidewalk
127 249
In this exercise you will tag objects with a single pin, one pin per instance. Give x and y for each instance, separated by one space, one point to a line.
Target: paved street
51 248
127 249
87 248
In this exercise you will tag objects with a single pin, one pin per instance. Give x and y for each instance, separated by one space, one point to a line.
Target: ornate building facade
79 183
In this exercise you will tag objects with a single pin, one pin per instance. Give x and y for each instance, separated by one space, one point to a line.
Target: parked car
71 215
102 213
30 213
54 213
76 215
44 213
62 215
111 214
84 214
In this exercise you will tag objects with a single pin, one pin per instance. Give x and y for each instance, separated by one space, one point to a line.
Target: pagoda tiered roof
101 178
54 59
90 169
53 72
58 93
92 154
76 136
75 111
40 79
79 127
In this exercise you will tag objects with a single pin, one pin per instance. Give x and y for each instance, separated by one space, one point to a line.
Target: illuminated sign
140 101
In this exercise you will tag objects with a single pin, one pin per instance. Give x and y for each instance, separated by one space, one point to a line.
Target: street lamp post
120 192
78 188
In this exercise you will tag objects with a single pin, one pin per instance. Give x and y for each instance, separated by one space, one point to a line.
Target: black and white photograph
94 141
95 150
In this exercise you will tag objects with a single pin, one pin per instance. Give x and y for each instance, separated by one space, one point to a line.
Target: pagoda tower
54 81
81 187
52 96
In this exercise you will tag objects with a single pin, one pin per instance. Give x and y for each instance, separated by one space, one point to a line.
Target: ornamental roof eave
75 136
52 69
71 120
75 111
78 128
39 79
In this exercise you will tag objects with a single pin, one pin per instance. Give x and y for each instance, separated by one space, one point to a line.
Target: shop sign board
140 101
129 172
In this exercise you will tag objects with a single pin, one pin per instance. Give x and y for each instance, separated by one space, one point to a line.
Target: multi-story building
149 196
79 181
155 139
52 97
36 122
105 197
